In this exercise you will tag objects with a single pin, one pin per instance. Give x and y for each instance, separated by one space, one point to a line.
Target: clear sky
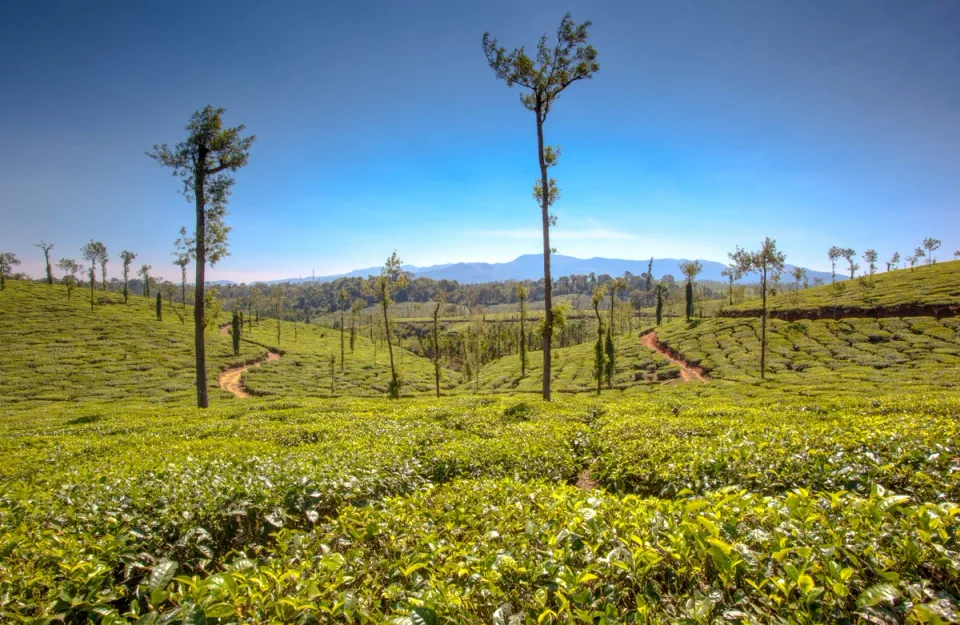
379 126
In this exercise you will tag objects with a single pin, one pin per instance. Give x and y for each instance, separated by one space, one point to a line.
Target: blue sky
380 126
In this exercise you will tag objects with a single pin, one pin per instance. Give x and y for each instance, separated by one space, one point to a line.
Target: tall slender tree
144 273
46 247
522 294
599 353
391 277
918 254
159 305
546 77
659 303
691 269
126 257
870 257
763 261
850 257
103 267
732 274
799 275
931 245
343 311
648 283
834 255
204 161
183 250
92 252
7 261
892 263
70 269
436 341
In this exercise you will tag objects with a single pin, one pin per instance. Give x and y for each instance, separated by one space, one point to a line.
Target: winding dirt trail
232 379
688 373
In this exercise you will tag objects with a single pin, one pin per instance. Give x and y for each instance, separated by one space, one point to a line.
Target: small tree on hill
892 263
144 273
278 294
834 255
648 283
956 254
546 77
126 257
691 269
103 267
70 269
159 306
91 253
183 250
659 303
355 309
436 340
235 330
870 257
732 274
849 254
343 312
799 275
763 261
391 277
917 255
599 353
931 245
7 261
203 162
46 247
522 294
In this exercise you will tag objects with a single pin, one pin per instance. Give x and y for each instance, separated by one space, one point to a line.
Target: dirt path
688 373
232 379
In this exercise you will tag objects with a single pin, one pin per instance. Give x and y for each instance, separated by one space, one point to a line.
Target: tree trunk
93 279
547 282
386 327
763 325
341 336
126 274
198 312
46 256
436 347
523 339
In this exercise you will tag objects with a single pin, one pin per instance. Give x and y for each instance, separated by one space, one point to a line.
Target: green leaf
220 610
878 593
161 575
424 616
195 616
805 582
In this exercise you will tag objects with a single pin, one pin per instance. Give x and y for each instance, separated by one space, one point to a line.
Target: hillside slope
923 290
52 349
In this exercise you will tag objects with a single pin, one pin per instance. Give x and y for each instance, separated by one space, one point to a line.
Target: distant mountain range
530 267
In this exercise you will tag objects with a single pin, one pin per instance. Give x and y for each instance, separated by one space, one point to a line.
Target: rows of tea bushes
55 350
824 356
464 510
926 285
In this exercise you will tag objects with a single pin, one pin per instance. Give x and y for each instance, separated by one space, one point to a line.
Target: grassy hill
52 349
304 370
927 285
824 356
572 370
732 501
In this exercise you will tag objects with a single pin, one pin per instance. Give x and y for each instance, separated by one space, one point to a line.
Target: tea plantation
826 493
